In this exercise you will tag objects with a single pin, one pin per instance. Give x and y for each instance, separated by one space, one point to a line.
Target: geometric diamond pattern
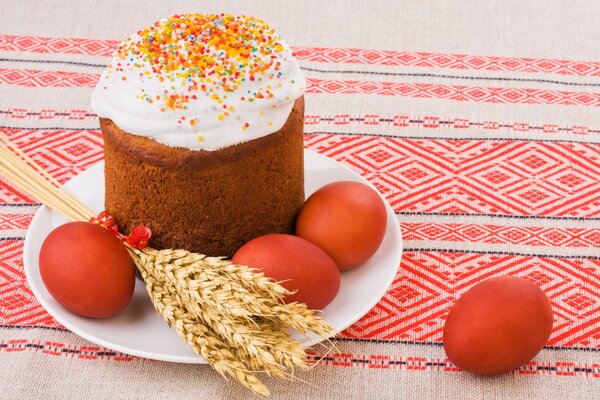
475 176
579 301
498 234
428 283
36 78
446 61
507 95
63 154
18 306
334 55
14 221
34 44
11 263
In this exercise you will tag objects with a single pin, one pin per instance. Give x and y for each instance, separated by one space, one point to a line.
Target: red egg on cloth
497 326
346 219
297 263
87 270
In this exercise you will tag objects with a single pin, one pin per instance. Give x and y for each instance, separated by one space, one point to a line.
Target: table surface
478 122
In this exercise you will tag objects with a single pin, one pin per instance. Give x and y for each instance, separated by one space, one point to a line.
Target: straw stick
23 163
31 181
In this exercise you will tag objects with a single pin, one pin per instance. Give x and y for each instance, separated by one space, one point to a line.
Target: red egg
497 326
87 270
298 264
346 219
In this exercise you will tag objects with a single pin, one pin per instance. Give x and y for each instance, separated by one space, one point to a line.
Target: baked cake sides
202 118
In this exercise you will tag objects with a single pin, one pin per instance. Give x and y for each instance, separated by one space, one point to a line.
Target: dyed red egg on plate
87 270
347 219
297 263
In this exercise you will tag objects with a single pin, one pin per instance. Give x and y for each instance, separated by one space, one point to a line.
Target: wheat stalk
212 296
229 314
198 336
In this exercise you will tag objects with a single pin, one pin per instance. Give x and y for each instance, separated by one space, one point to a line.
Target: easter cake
202 119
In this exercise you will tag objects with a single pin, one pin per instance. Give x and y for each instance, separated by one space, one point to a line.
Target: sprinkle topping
220 78
210 55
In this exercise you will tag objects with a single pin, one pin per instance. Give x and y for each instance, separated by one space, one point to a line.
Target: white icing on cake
202 82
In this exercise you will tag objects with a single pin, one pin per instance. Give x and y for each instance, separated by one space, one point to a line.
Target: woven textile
480 124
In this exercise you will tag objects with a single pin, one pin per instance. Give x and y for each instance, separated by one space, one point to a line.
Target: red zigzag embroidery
105 48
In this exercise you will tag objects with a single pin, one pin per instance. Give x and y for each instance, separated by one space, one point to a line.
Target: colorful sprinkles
208 55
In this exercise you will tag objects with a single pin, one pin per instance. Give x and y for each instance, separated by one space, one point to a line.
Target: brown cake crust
209 202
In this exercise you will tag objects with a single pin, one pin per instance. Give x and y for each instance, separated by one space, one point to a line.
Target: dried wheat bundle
229 314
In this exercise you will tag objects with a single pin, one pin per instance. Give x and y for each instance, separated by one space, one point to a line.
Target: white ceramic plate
140 331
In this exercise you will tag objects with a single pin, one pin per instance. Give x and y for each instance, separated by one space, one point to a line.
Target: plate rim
193 358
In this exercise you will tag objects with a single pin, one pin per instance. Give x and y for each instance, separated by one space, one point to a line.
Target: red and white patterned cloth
480 124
